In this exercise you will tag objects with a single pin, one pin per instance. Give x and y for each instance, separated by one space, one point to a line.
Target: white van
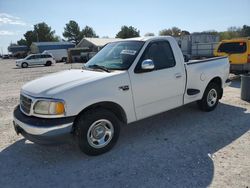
36 59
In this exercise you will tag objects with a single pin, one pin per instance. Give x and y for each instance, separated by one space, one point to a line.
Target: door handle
178 75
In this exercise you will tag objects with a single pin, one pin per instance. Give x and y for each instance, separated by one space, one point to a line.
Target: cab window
46 56
37 56
160 53
233 47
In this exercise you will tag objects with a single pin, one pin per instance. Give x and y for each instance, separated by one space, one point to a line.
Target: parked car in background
5 56
238 52
125 82
59 55
36 59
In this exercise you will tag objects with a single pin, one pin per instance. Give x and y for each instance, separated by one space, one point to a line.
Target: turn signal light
60 108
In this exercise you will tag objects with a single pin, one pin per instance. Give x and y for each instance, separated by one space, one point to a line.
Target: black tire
206 104
84 131
64 59
24 65
48 63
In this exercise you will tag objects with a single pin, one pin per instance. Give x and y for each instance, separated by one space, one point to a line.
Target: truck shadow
172 149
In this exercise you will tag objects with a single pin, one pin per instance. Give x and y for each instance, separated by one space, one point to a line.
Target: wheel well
111 106
24 63
218 81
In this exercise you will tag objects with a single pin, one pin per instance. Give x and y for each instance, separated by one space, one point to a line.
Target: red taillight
248 58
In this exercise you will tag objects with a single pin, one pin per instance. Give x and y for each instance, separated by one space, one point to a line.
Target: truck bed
204 60
200 72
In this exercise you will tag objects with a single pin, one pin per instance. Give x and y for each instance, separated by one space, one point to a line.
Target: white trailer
59 55
203 49
198 45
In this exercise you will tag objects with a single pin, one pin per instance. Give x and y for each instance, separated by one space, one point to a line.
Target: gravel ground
179 148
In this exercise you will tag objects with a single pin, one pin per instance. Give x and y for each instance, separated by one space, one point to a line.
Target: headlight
47 107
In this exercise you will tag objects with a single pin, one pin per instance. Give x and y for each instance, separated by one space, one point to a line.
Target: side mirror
147 65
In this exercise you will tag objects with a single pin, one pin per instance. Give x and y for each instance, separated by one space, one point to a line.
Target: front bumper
42 130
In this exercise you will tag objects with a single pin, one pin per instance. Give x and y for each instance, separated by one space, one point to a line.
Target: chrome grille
25 104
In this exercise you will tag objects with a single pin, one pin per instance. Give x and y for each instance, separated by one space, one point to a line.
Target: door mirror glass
147 64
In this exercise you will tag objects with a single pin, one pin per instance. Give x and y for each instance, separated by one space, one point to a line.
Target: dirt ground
179 148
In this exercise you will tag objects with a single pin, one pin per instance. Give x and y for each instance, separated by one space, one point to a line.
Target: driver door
162 88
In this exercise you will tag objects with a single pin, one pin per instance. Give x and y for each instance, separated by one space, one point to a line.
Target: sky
107 17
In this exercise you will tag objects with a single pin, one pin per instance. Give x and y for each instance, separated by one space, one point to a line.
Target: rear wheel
24 65
64 59
48 63
97 131
210 98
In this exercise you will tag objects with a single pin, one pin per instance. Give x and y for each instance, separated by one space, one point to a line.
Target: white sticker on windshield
128 52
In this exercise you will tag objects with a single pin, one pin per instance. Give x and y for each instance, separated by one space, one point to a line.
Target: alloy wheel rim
100 133
212 97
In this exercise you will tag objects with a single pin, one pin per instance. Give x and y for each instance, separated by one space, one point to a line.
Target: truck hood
50 85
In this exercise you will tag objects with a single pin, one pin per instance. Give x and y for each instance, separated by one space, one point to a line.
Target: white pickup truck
126 81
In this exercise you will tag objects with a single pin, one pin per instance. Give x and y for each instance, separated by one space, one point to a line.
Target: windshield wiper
99 67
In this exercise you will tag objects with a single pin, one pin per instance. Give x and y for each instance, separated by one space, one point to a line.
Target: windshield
116 56
28 57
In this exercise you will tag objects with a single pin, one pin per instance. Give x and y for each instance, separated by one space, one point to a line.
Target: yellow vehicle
238 52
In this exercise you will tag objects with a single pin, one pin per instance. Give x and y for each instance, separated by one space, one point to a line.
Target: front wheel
97 131
24 65
210 98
